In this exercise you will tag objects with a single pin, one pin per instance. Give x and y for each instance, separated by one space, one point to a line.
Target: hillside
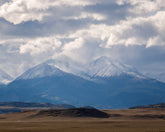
74 112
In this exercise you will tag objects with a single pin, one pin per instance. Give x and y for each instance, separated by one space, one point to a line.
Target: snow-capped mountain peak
100 67
41 70
106 67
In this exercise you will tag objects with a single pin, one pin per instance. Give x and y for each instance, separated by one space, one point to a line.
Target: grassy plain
135 120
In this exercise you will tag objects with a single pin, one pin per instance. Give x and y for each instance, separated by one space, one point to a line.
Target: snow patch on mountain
107 67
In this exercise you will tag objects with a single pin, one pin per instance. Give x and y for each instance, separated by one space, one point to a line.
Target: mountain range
103 83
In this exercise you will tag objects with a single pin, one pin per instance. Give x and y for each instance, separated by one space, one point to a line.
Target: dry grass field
131 120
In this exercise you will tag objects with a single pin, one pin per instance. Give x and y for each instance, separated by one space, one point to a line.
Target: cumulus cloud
147 31
40 45
85 15
18 11
73 2
138 30
143 6
76 44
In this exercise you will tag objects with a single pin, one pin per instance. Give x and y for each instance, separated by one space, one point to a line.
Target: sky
131 31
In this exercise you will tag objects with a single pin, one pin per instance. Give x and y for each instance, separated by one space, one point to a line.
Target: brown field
133 120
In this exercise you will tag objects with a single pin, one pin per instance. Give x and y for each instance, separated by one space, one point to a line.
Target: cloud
139 30
76 44
13 41
40 45
143 6
18 11
73 2
147 31
85 15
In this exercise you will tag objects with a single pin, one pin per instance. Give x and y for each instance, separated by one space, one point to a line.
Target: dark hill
75 112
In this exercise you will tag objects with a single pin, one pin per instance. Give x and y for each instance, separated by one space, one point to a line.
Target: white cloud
143 6
12 40
76 44
18 11
124 33
73 2
85 15
127 32
40 45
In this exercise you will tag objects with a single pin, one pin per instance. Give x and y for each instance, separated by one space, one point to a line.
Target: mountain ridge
100 67
5 78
